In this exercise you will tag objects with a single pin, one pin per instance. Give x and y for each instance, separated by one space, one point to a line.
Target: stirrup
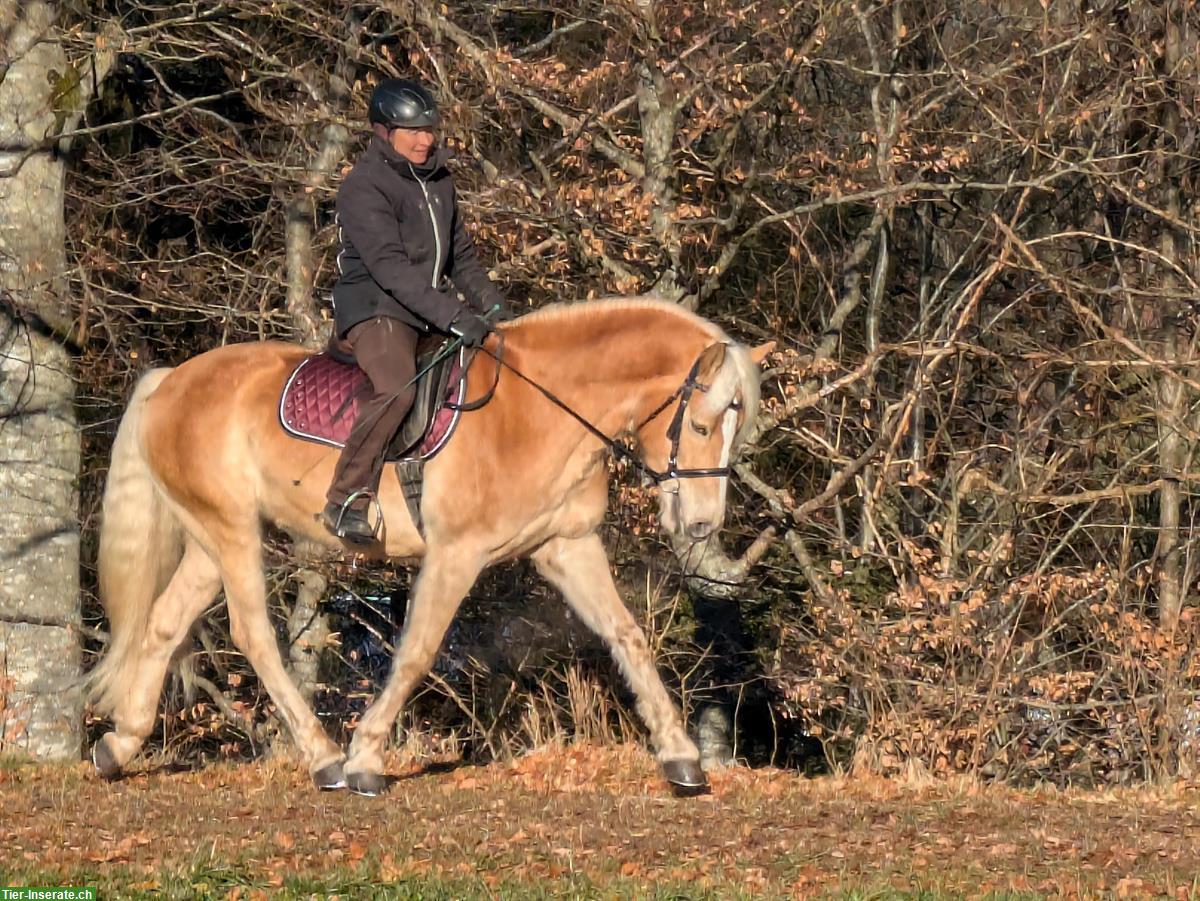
372 500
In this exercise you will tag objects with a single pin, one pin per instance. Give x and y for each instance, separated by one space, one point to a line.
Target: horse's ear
760 353
710 363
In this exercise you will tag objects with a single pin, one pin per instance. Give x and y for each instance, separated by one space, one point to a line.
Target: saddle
321 397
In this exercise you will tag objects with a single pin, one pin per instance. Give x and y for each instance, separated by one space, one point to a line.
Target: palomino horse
200 460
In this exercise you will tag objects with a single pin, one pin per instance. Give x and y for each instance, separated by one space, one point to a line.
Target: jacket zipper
437 238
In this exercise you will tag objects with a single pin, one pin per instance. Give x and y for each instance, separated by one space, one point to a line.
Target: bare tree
42 93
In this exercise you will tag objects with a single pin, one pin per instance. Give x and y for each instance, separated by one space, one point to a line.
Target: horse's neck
608 399
612 391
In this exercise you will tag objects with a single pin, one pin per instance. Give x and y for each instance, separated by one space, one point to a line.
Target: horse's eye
699 429
735 405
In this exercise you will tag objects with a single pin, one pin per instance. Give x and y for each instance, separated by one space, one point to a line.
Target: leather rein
674 431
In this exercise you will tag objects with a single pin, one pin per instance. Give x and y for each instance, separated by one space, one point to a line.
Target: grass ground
587 822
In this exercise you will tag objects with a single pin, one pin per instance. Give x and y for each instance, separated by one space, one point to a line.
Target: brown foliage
1044 679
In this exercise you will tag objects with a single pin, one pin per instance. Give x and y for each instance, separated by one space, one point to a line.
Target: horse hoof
330 777
369 785
686 778
104 761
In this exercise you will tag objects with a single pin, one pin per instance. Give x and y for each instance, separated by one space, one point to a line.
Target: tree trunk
1173 452
313 328
308 631
40 710
308 625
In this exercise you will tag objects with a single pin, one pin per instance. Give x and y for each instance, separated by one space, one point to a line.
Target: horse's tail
141 542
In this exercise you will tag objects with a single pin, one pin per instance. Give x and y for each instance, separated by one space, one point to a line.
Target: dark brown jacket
404 250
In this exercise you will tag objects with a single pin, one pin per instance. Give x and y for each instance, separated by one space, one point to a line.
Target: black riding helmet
403 103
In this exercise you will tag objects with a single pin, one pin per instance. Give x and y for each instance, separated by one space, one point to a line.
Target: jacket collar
432 169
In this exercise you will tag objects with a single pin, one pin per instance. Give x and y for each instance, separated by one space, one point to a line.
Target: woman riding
407 267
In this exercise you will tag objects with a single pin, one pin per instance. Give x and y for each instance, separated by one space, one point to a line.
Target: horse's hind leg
579 569
250 627
191 589
443 581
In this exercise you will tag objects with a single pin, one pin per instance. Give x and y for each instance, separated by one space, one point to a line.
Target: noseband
674 431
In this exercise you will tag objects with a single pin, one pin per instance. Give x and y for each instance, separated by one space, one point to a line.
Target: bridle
674 431
675 434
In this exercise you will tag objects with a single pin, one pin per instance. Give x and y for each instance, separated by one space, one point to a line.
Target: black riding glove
471 328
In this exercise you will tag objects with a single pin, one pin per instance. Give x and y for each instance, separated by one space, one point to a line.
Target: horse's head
692 444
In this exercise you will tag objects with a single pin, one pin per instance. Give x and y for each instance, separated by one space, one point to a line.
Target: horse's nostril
701 529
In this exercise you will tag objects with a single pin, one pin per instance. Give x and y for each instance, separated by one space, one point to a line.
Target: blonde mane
589 309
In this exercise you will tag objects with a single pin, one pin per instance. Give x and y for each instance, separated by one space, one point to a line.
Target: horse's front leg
444 579
579 569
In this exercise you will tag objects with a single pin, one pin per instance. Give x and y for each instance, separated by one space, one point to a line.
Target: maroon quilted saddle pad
321 399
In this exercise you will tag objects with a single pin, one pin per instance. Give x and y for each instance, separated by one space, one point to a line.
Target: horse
200 462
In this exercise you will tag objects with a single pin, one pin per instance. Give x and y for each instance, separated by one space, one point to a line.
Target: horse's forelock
738 377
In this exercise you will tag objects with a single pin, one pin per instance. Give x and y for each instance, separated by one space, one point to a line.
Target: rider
407 266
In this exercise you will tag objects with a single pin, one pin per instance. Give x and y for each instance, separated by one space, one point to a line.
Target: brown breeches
386 350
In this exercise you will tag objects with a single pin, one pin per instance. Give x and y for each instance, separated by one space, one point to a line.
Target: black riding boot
349 521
